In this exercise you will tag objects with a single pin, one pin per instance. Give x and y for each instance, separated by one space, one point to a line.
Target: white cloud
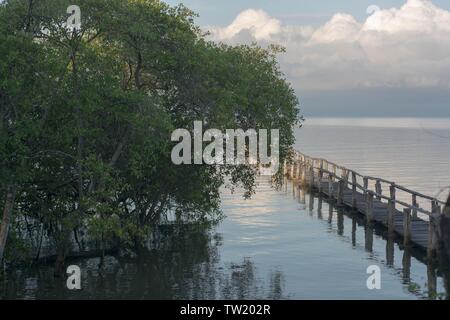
419 16
341 28
404 47
256 22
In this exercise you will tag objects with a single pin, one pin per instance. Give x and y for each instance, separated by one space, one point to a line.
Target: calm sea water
282 244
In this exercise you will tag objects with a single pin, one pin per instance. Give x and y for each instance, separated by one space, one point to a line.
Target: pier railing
379 188
377 198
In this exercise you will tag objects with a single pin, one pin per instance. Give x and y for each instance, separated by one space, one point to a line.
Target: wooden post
292 169
354 182
340 221
368 236
391 210
366 185
345 177
406 263
378 189
369 213
433 229
321 170
406 226
390 251
330 213
302 196
304 172
353 231
311 172
285 167
311 203
443 227
300 169
340 192
319 206
330 188
415 205
320 175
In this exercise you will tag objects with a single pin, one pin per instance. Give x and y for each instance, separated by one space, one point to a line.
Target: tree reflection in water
182 262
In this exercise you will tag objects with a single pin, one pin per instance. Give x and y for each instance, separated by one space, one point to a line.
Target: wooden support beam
390 251
292 169
340 192
304 169
378 189
345 174
319 206
433 229
321 170
330 188
311 203
444 234
320 176
415 205
354 182
369 213
406 264
354 223
368 236
406 226
366 185
391 209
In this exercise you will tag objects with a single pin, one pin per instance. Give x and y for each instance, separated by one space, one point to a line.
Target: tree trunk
7 213
62 251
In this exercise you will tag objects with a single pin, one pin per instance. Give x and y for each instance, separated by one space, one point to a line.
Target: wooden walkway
415 223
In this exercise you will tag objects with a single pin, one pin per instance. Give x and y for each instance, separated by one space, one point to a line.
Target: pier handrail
324 168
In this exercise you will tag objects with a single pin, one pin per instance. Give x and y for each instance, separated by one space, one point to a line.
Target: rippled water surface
288 243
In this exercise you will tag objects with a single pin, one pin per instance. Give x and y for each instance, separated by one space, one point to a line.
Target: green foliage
86 116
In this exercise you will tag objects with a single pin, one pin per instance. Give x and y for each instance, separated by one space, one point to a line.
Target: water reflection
274 246
429 290
182 263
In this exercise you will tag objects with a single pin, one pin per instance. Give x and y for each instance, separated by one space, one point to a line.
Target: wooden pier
416 221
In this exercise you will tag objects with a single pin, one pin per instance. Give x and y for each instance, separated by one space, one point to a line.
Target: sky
347 57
